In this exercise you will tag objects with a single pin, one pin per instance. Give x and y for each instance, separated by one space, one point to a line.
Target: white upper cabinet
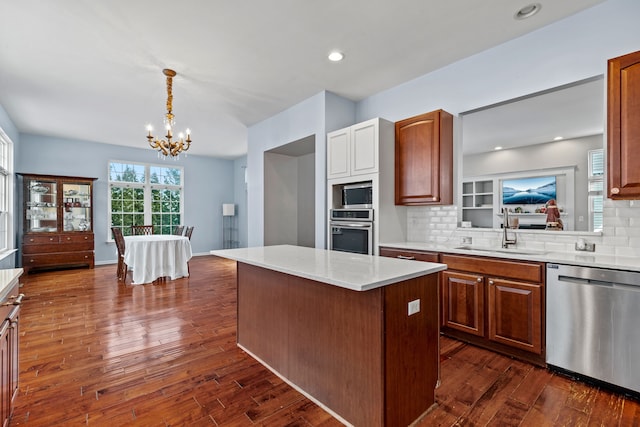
353 150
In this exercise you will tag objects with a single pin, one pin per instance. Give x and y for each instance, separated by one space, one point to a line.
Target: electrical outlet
414 307
583 246
467 240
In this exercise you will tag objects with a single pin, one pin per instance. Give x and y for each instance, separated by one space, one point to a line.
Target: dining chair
188 232
178 230
139 230
122 266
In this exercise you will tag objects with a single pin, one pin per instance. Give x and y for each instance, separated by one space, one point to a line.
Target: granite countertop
351 271
7 277
586 259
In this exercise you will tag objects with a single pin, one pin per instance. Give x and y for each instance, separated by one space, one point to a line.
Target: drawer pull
17 300
406 257
51 239
479 279
68 238
32 240
32 260
491 282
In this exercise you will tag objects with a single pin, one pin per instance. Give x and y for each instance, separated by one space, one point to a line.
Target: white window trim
10 212
146 186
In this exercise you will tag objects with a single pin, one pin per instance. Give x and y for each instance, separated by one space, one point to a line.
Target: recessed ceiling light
528 11
497 148
336 56
557 138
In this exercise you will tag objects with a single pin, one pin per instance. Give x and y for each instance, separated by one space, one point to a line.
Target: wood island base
358 354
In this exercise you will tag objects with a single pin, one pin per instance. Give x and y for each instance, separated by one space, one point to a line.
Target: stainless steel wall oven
351 230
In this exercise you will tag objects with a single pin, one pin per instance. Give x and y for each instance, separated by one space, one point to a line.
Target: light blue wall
208 183
566 51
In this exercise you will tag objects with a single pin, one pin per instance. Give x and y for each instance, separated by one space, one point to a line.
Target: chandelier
167 147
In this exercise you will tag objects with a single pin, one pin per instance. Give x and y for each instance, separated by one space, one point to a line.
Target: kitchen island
357 334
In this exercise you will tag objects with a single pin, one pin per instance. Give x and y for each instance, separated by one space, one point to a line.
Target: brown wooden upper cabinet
424 160
623 127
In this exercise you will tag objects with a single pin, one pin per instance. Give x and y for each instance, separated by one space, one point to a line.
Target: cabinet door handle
615 190
490 282
68 238
32 260
479 279
405 257
51 239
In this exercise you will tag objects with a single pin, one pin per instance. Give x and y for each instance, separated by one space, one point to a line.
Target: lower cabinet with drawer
409 254
495 303
57 250
10 303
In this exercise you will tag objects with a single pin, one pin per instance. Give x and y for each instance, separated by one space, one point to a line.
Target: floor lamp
228 213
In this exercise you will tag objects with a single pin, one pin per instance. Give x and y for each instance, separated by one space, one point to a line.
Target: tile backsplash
620 236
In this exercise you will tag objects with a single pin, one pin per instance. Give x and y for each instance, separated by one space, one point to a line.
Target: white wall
315 116
306 200
569 50
240 199
280 199
559 154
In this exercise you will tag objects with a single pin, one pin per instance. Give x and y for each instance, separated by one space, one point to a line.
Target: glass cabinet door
76 201
41 211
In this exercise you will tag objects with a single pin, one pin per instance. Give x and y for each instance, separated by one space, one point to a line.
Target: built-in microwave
357 195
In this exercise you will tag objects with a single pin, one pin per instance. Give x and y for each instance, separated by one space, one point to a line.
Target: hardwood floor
98 352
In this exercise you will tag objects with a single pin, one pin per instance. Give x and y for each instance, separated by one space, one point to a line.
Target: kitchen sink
502 250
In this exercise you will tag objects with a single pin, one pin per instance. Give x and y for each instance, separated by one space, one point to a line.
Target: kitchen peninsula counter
585 259
336 326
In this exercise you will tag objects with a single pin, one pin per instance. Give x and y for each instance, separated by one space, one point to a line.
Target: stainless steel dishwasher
593 323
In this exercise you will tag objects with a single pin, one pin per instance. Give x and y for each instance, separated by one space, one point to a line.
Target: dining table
157 255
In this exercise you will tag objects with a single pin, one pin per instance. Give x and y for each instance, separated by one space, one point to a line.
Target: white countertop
352 271
586 259
7 277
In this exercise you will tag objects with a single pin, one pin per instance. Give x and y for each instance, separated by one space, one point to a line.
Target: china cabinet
57 221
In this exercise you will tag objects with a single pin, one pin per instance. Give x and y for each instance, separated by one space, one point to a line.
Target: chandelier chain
169 147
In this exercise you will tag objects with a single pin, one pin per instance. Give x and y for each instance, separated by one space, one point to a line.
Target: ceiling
92 70
571 111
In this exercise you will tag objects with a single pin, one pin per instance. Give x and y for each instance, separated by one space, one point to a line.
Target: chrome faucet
505 226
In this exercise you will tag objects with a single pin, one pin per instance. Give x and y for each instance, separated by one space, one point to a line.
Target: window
142 194
596 189
6 192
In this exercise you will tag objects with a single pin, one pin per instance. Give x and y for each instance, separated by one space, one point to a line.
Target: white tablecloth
157 255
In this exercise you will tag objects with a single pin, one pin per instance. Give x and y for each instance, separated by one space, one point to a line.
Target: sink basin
502 250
